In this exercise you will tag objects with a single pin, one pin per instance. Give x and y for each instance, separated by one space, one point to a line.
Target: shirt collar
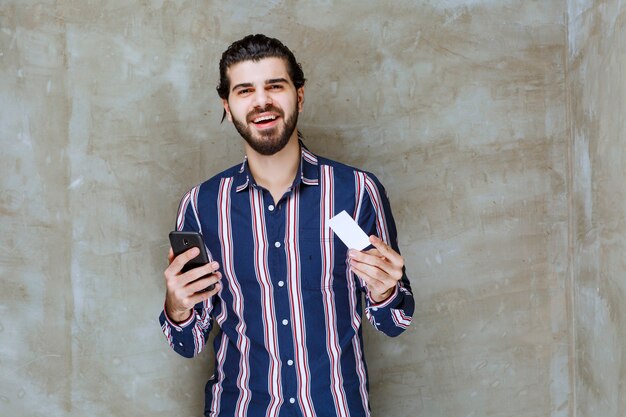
309 171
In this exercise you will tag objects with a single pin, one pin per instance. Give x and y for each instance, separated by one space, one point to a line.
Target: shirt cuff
182 325
386 302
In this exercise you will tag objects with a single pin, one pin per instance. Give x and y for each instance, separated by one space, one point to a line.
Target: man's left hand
380 268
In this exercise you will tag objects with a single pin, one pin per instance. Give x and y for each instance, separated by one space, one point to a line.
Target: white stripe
180 218
359 180
370 318
194 206
202 323
228 267
362 374
267 302
332 337
381 222
198 340
359 184
295 300
400 319
309 156
220 357
167 331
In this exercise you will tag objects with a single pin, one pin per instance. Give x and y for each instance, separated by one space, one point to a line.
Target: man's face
263 103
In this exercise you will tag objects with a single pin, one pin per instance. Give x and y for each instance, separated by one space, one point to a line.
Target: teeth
264 118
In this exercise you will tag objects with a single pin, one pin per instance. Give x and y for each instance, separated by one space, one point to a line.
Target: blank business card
349 231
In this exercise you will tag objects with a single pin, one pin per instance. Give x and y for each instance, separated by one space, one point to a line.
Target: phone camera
185 242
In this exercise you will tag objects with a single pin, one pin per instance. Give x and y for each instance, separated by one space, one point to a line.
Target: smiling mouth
265 120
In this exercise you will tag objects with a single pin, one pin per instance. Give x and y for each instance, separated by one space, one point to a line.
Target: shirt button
285 322
270 207
281 283
277 244
290 362
180 343
292 400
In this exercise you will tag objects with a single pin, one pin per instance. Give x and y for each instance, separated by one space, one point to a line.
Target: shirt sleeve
393 315
189 338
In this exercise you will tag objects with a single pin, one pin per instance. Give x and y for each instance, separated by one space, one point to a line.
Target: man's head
262 89
255 48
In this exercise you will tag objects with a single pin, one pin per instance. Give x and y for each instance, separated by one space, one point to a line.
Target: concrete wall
597 88
108 114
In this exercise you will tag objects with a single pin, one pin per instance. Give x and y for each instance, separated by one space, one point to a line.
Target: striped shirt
290 308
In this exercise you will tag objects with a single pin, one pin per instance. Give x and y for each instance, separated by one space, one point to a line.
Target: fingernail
352 253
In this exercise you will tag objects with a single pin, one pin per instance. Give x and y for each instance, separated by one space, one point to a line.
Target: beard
269 141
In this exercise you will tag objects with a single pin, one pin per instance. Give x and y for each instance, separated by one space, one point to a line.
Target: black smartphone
182 242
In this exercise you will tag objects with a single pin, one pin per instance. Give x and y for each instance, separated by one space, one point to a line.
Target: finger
199 272
371 283
369 259
362 255
179 262
170 256
199 297
387 251
378 290
372 252
371 275
379 268
204 282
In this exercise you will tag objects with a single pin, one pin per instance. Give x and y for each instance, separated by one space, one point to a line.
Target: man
288 293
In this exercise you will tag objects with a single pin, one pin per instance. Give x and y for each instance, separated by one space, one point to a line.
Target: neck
275 172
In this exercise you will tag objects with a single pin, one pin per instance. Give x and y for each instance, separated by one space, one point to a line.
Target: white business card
349 231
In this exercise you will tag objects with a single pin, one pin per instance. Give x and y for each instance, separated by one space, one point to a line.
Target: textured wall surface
108 114
597 85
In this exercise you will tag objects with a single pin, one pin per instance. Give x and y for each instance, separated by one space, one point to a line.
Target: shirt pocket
323 262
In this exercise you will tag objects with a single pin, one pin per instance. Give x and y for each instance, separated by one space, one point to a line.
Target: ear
227 109
300 93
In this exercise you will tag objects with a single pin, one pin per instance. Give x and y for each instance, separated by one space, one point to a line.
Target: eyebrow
270 81
276 81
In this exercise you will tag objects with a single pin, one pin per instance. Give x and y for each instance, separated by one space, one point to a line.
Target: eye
243 91
275 87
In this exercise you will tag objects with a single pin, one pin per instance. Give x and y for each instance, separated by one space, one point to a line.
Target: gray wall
597 107
495 126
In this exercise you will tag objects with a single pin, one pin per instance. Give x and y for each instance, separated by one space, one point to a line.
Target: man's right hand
182 288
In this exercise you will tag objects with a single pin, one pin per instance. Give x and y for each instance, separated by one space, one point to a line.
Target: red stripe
243 343
296 306
309 156
381 222
359 185
167 331
267 302
332 337
180 217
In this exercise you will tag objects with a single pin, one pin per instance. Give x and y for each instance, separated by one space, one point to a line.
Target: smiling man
289 295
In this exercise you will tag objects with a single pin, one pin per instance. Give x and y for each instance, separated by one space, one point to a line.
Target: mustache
268 108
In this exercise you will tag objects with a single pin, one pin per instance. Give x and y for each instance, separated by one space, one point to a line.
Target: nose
261 98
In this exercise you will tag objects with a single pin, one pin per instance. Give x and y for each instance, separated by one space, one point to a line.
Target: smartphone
182 242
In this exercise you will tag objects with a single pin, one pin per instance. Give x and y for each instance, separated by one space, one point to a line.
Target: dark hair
255 48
